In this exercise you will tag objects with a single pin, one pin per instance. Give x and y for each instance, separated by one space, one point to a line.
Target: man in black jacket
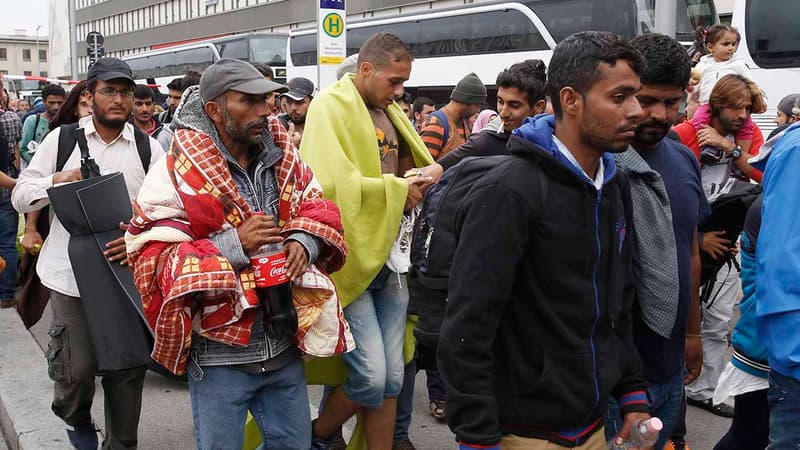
537 333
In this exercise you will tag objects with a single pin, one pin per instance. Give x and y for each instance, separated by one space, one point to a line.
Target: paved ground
167 423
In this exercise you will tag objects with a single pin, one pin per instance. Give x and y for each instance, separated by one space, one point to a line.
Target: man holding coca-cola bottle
227 223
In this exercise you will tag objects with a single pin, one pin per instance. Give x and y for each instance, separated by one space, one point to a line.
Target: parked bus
161 66
487 37
771 49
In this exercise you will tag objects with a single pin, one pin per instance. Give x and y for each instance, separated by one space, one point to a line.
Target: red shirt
688 137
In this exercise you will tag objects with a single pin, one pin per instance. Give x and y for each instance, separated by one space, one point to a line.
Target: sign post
94 49
331 40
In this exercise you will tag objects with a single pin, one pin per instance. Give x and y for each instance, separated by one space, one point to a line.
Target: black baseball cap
300 88
110 69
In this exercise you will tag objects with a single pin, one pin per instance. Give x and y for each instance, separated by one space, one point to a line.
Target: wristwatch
736 153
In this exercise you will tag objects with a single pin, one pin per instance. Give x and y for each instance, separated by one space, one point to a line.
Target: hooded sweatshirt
537 334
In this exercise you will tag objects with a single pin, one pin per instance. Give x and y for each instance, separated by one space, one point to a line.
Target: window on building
3 72
43 73
26 54
43 55
27 73
3 54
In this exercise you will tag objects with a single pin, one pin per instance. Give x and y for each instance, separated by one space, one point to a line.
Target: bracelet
693 336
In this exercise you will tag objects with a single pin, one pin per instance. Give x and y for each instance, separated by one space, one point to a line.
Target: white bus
487 37
159 67
771 49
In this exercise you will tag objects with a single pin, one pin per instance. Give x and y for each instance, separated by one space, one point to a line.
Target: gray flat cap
234 75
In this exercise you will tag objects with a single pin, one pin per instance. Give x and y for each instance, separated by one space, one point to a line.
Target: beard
594 132
651 132
114 124
299 121
240 134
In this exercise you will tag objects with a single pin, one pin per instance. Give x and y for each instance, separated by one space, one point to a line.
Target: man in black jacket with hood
537 333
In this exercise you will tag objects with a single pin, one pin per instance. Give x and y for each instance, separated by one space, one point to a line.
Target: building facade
24 55
134 26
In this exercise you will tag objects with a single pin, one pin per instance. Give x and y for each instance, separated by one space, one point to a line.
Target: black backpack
5 153
434 243
68 138
728 212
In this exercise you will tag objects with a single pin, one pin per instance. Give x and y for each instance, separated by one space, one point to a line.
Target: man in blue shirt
668 204
778 299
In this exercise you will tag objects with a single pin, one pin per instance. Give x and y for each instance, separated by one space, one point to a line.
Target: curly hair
666 62
529 76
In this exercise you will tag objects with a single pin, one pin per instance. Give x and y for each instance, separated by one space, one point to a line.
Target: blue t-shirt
678 167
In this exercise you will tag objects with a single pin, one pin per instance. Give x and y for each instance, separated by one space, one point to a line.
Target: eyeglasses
111 92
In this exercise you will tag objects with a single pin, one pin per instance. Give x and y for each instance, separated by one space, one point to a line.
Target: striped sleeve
432 133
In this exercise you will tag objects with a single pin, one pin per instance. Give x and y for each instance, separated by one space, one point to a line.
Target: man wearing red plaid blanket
232 183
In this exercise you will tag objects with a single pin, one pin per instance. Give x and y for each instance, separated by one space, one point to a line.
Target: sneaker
333 442
403 444
439 409
722 410
83 436
672 445
8 303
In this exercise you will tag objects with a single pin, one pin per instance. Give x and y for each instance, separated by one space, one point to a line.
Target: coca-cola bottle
274 291
644 434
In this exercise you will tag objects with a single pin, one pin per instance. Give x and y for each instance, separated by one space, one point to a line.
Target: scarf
657 288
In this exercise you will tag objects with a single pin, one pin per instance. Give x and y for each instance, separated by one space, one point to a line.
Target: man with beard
668 205
71 360
143 117
732 101
298 99
533 346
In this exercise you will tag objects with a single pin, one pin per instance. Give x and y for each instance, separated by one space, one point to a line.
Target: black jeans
750 426
72 366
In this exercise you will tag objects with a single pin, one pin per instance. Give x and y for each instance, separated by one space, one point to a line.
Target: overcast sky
27 14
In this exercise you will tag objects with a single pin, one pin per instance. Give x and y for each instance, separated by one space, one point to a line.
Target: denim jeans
9 220
665 403
405 402
278 401
784 411
377 320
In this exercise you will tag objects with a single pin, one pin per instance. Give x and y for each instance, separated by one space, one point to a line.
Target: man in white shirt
71 359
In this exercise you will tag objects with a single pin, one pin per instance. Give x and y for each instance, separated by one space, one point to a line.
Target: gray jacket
259 188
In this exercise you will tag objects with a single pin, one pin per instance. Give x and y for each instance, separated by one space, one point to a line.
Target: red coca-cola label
270 270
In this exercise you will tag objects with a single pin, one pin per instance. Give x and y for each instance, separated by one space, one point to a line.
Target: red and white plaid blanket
184 280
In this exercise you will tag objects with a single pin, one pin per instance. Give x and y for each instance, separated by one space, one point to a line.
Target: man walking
449 127
668 204
361 145
241 188
36 126
10 132
71 359
143 117
532 349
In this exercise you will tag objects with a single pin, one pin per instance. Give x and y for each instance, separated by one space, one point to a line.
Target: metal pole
666 19
38 62
73 40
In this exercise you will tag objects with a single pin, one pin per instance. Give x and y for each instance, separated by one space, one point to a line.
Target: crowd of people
563 267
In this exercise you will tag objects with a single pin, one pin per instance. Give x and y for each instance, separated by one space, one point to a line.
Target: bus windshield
269 50
690 15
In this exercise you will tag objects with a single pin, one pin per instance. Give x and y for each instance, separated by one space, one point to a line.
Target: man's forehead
662 91
619 75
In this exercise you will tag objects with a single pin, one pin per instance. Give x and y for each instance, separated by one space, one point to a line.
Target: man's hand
416 186
625 432
32 241
256 231
708 136
116 250
434 171
693 359
714 245
67 176
296 259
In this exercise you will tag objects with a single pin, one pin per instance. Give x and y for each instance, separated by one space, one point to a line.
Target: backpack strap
143 147
439 114
66 144
36 125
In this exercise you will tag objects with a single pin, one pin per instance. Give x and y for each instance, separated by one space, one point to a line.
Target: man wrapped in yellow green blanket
360 145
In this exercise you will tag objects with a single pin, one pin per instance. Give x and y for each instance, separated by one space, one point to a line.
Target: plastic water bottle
644 433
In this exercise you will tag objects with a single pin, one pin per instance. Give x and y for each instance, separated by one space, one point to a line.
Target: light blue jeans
9 219
784 411
278 401
377 320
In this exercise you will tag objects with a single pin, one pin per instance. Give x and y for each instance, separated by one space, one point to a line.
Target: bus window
269 50
690 14
773 37
565 17
304 49
233 48
171 64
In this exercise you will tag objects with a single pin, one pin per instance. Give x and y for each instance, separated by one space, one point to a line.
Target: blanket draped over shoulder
186 283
